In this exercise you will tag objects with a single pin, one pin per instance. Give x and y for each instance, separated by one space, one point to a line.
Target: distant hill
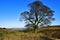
17 28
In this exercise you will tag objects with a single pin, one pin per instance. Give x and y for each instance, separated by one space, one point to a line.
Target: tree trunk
35 28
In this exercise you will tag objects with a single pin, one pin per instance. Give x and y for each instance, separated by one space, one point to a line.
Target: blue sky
10 12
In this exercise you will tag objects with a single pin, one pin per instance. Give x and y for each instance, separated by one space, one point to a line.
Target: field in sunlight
44 33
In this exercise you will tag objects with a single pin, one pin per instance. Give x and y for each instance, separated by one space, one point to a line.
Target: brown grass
7 34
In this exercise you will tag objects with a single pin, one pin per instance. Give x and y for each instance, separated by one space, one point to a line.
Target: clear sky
10 11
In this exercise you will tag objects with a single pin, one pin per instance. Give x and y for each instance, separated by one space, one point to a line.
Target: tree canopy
38 15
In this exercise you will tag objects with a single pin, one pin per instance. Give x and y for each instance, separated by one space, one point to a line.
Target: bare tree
38 15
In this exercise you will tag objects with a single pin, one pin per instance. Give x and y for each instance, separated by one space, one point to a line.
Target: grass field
43 34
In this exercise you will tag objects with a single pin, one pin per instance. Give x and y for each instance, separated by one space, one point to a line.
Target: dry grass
16 35
44 33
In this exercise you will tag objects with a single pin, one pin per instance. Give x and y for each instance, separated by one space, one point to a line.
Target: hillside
53 31
45 33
